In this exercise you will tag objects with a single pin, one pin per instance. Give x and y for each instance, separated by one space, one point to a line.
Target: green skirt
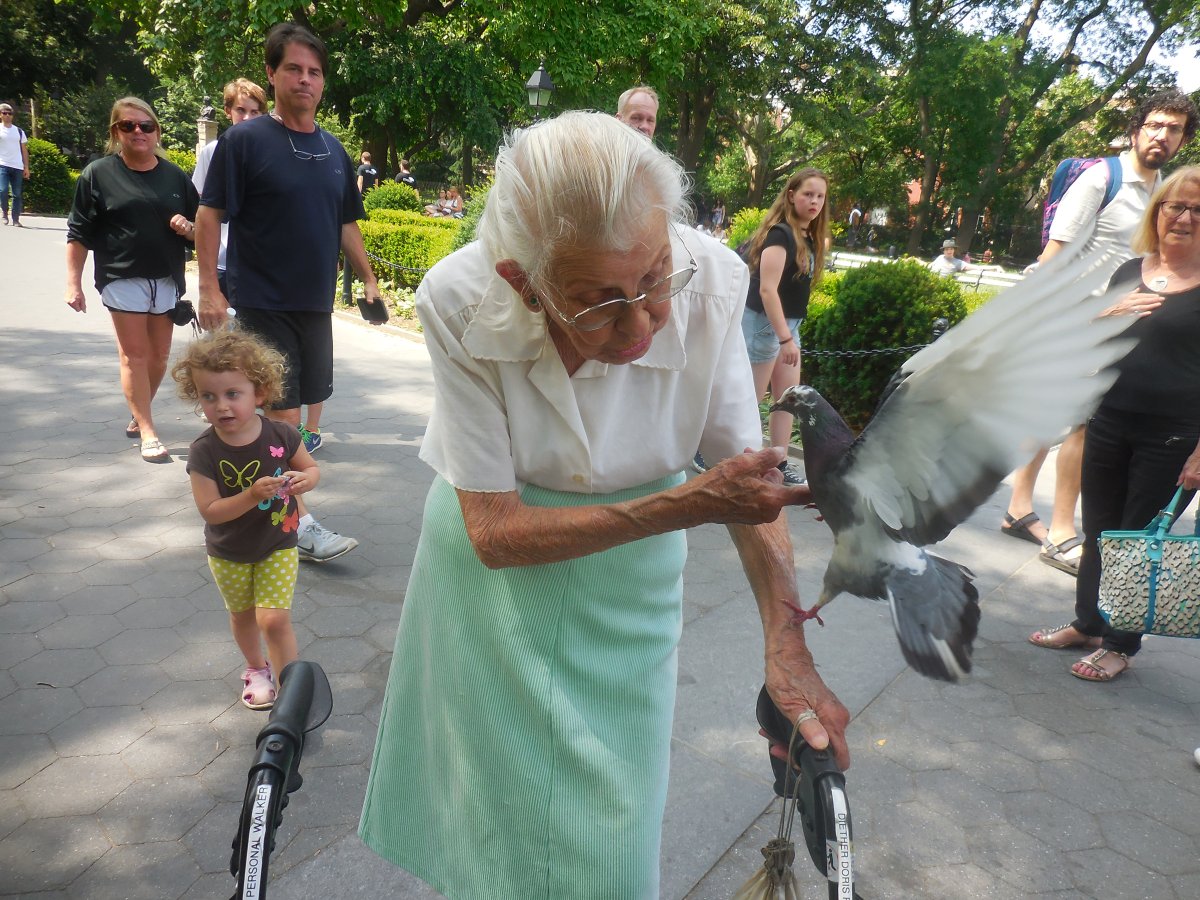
525 735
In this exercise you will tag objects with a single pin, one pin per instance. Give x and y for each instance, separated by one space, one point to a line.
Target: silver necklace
1159 283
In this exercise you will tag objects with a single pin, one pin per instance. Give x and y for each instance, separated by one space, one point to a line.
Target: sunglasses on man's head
147 126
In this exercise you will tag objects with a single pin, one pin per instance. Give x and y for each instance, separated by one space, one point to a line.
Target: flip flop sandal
1056 555
154 451
133 430
259 692
1045 638
1019 528
1091 663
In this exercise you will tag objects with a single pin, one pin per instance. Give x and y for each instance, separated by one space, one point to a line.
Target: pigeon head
825 434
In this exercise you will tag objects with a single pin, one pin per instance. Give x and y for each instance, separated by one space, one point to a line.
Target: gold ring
805 716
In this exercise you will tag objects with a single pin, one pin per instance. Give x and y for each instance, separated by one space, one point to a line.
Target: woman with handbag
135 210
1143 442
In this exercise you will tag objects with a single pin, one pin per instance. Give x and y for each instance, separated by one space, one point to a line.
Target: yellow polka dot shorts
268 583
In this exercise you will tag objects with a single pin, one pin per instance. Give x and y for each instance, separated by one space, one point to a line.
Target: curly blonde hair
231 351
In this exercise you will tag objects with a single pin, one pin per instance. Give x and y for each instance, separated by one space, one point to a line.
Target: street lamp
539 87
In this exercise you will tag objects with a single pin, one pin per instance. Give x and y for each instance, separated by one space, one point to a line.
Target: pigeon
959 415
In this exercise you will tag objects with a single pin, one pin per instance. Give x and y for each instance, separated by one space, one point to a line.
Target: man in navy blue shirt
287 188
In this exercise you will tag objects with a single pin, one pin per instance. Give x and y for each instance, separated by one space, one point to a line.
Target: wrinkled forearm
766 554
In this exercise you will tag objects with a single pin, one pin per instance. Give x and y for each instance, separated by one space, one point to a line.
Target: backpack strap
1115 177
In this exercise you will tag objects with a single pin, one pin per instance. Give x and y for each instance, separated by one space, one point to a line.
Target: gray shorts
156 296
761 342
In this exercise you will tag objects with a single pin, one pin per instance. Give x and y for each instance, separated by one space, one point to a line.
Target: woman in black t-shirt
1143 441
136 211
786 256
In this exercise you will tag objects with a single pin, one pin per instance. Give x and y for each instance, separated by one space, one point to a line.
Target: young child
246 471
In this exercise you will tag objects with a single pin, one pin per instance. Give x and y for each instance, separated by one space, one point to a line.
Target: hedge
51 186
408 217
185 159
879 306
392 195
471 216
412 246
743 225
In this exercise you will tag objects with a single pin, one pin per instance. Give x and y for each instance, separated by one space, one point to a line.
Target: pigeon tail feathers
936 616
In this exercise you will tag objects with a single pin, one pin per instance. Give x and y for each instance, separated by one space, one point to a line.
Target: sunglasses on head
147 126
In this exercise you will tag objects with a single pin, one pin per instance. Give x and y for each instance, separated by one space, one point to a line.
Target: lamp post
539 87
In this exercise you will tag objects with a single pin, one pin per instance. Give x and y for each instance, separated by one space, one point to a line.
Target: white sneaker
1196 756
319 544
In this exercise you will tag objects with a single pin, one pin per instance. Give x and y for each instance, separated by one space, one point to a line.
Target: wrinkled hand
213 308
795 686
1135 303
266 487
1189 478
748 489
76 300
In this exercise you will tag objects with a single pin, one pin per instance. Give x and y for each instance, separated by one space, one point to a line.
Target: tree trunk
695 109
468 164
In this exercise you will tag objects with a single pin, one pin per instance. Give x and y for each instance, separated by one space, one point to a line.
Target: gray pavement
124 750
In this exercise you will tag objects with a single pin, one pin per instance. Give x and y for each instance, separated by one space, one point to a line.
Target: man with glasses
287 189
14 163
1158 130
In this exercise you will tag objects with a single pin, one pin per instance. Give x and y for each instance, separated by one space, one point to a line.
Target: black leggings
1131 466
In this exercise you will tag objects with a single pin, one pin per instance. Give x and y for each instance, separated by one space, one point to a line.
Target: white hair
582 181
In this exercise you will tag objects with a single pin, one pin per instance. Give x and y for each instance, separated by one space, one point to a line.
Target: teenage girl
786 256
246 471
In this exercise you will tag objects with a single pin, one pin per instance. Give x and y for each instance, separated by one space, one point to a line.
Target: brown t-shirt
272 524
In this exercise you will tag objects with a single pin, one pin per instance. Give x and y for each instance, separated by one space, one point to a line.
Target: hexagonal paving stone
169 584
209 840
1103 873
206 626
97 517
21 549
14 572
170 750
115 571
1152 844
351 693
74 786
138 872
339 622
159 612
57 668
332 795
30 617
141 645
17 647
73 560
81 538
8 684
44 854
122 685
22 756
190 702
102 600
12 816
340 654
1074 781
342 740
123 548
80 631
44 587
1057 822
225 776
156 810
37 710
100 730
203 662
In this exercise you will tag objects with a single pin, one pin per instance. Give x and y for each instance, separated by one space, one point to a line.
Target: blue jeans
11 180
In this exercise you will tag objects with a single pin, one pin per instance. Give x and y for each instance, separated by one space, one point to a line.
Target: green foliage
392 195
185 159
880 305
51 185
408 217
743 224
471 216
413 247
78 122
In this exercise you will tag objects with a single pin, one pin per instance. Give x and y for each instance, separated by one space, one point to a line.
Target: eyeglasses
1173 210
596 317
6 112
1173 129
304 154
147 126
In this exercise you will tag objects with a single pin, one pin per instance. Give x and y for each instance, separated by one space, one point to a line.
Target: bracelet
789 339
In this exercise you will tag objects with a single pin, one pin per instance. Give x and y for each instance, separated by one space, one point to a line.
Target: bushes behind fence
410 246
50 186
392 195
878 306
408 217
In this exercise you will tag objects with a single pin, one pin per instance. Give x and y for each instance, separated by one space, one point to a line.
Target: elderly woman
1144 440
136 211
524 740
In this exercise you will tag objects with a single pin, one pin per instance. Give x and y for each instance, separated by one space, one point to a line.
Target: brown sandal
1047 639
1091 664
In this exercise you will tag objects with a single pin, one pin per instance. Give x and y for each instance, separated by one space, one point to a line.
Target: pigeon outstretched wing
979 401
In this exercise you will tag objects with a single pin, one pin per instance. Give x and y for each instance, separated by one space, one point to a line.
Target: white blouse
506 413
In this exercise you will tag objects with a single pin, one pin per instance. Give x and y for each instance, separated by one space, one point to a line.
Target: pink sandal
260 688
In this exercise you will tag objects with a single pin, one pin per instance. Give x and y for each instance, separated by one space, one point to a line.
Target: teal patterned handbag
1150 580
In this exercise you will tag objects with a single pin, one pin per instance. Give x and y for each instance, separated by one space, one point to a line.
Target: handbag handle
1162 522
